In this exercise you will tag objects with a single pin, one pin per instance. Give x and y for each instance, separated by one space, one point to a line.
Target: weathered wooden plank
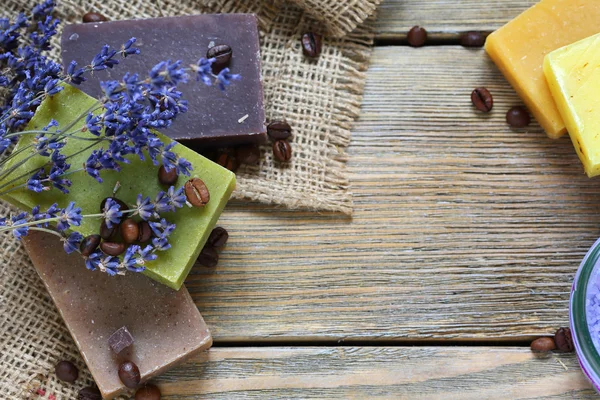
376 372
445 19
463 228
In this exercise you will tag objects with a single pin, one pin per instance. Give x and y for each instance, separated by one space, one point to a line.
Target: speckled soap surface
166 325
227 118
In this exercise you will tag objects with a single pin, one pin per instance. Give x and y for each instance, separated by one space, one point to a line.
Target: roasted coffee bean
129 374
93 17
543 345
472 39
417 36
279 130
222 54
129 231
145 232
311 44
89 393
122 205
248 154
518 117
564 340
226 160
89 244
482 99
208 257
107 233
196 192
167 178
66 371
218 237
148 392
282 151
112 248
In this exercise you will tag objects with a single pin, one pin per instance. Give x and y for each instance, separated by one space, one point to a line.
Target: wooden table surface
462 248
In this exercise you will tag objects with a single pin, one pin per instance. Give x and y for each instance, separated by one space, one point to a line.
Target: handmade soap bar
194 225
166 324
573 74
227 118
519 47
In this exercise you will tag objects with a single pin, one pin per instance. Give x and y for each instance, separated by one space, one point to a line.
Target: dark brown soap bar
166 324
214 118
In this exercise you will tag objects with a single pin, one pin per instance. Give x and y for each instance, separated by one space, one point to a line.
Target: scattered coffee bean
226 160
66 371
278 130
222 54
129 374
112 248
89 244
282 151
482 99
93 17
148 392
129 231
311 44
417 36
218 237
120 340
248 154
107 233
543 345
518 117
89 393
196 192
167 178
145 232
564 340
208 257
472 39
121 203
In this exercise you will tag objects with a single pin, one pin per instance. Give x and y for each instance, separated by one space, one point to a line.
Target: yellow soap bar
573 75
519 48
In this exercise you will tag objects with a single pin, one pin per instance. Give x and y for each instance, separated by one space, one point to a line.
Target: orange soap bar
519 48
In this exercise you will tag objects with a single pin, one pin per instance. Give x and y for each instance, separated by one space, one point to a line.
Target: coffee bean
66 371
208 257
543 345
482 99
196 192
145 232
129 230
311 44
472 39
417 36
278 130
222 54
282 151
564 340
89 393
112 248
226 160
129 374
122 205
248 154
89 244
107 233
518 117
93 17
218 237
167 178
148 392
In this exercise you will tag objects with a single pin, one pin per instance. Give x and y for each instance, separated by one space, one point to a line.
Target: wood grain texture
374 372
463 228
445 19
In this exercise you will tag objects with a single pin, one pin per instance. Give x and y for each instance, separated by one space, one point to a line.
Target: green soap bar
193 224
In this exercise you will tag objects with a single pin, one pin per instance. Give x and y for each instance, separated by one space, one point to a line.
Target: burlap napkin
319 99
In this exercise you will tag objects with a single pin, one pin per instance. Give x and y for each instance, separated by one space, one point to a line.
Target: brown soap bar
214 118
167 325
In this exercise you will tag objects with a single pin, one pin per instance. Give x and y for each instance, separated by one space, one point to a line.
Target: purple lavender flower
126 48
71 215
131 260
204 70
72 242
105 59
112 213
225 77
74 74
34 183
93 260
110 265
20 219
144 207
